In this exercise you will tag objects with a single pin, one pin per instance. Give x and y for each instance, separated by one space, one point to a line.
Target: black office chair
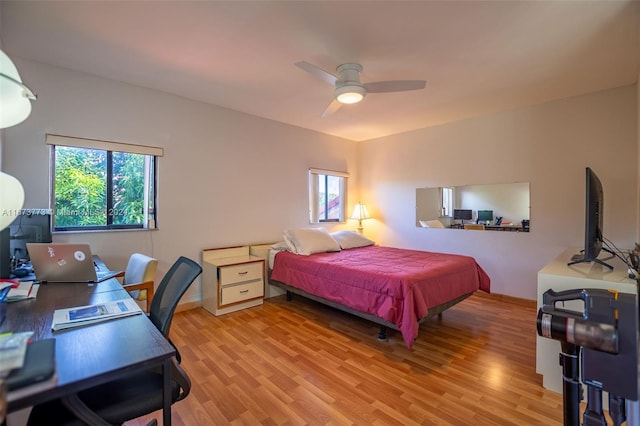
118 401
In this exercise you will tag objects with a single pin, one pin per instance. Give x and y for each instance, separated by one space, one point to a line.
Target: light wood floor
295 363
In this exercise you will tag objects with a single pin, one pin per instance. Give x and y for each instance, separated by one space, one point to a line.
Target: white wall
226 179
508 200
548 145
229 178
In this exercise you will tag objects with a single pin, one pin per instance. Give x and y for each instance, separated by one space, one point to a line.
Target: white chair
139 278
431 224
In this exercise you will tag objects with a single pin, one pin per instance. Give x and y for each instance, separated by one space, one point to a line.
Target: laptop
68 263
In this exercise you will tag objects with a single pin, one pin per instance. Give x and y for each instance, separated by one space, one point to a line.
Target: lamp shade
360 212
11 199
15 97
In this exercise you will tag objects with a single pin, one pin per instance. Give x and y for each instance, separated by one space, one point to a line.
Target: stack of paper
12 349
19 290
83 315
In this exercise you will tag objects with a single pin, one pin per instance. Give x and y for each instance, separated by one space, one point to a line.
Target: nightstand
232 279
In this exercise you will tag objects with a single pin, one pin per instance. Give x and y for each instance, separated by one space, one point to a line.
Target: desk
89 355
511 228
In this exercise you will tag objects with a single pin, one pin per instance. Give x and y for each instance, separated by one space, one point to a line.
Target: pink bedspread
394 284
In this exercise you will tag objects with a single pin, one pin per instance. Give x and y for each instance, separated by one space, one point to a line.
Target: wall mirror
493 207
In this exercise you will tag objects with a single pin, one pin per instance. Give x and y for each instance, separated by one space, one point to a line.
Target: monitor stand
579 258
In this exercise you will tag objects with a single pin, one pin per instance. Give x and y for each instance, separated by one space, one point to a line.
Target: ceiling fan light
350 94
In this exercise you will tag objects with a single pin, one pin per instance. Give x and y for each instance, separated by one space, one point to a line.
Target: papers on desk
83 315
18 290
13 346
39 365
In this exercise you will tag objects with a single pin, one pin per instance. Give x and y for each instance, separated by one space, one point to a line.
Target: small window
327 196
100 185
447 202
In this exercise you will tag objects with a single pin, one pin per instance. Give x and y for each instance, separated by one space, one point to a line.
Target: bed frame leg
289 296
382 334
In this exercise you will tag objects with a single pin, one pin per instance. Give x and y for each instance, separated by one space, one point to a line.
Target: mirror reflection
494 207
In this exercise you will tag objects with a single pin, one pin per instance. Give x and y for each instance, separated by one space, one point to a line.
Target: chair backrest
140 269
174 284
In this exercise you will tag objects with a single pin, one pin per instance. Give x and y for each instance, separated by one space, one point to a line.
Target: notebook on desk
69 263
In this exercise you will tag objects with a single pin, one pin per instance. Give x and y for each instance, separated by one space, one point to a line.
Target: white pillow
351 239
280 246
307 241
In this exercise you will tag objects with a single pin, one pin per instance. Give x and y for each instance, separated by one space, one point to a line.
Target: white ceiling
477 56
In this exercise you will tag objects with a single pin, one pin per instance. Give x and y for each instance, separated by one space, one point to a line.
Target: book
6 285
90 314
22 290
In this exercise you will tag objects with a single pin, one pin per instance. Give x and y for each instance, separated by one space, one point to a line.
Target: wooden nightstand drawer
232 279
239 292
239 273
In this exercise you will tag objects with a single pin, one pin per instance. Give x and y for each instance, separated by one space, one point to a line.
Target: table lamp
360 213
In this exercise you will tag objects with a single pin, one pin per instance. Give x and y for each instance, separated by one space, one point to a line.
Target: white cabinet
232 279
558 276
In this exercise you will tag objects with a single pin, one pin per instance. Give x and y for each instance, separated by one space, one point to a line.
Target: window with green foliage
327 196
101 189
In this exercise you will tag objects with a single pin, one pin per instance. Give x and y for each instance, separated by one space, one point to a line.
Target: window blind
103 145
315 171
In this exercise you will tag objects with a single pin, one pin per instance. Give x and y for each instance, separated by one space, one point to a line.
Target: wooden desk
507 228
89 355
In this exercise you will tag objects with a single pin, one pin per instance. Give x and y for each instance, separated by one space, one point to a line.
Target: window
99 185
447 201
327 196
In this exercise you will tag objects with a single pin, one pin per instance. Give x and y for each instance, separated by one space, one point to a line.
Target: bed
396 288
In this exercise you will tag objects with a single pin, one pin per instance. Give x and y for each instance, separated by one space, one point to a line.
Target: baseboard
508 299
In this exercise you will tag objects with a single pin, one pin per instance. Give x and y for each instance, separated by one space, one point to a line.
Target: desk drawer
242 272
239 292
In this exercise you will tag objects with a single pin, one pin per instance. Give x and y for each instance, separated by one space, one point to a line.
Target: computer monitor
594 197
593 234
485 216
32 226
462 214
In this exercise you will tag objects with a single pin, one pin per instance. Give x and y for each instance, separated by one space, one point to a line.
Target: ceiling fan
349 90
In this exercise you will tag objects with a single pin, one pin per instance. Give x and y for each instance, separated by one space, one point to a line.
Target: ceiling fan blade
394 86
318 72
333 107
